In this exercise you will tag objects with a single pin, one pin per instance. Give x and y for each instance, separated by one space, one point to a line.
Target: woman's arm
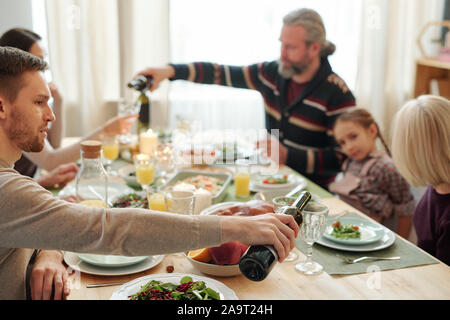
50 158
56 132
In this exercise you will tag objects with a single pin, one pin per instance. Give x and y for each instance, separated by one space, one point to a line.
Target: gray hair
315 29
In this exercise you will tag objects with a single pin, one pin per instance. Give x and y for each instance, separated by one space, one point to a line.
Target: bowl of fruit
221 261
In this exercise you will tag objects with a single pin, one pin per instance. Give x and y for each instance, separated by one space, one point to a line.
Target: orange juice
242 183
111 151
156 202
145 174
94 203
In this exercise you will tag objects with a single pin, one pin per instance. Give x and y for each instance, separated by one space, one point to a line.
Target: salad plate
386 240
132 287
75 263
368 231
292 180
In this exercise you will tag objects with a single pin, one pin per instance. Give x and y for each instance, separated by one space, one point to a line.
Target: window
240 32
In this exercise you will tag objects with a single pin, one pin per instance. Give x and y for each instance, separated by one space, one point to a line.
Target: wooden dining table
430 281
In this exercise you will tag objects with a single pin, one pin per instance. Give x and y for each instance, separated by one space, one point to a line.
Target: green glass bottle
142 84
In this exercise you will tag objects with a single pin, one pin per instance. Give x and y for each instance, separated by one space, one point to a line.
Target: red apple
227 253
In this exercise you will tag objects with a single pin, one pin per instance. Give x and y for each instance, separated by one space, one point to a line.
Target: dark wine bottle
142 84
143 103
258 261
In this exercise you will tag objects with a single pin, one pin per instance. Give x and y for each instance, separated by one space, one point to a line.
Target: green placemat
311 187
410 256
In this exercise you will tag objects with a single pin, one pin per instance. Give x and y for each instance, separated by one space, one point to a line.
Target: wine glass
145 170
314 221
279 204
165 160
110 148
126 108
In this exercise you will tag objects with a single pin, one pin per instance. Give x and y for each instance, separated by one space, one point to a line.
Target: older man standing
302 94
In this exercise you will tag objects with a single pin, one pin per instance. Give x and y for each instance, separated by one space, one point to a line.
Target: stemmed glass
110 148
126 108
279 204
313 225
165 160
145 170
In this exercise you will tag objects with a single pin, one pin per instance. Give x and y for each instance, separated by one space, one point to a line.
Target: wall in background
17 13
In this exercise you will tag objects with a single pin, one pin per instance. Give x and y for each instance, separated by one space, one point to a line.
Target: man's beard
293 70
22 135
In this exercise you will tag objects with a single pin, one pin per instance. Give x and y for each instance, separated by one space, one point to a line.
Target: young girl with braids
371 183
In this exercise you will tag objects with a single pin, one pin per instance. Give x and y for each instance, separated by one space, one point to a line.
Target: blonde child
371 183
421 151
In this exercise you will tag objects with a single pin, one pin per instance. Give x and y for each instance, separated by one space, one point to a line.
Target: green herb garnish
348 231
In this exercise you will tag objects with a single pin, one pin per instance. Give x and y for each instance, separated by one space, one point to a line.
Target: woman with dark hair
58 162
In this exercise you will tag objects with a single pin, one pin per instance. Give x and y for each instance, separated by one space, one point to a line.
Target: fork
348 260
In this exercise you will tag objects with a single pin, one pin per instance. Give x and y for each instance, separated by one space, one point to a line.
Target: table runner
409 253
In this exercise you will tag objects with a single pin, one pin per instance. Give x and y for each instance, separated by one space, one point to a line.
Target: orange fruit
201 255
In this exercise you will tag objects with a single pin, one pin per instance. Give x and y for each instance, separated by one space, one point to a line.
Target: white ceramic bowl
214 269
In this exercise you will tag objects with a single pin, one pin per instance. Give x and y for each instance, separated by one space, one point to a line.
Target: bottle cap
91 149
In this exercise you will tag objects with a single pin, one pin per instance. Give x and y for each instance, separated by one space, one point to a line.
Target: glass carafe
92 179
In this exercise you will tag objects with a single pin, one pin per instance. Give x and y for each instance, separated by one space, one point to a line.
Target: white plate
219 206
115 189
109 260
294 181
134 286
76 264
369 232
386 241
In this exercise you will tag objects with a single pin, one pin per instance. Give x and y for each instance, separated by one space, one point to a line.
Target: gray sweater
32 218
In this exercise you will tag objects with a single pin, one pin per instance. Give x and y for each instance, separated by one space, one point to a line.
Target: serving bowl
214 269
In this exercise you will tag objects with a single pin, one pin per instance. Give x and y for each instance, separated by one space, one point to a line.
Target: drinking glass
313 225
279 204
179 201
165 160
110 148
126 108
145 170
242 178
156 201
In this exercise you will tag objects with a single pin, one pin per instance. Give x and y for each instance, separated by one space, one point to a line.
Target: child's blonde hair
421 141
363 118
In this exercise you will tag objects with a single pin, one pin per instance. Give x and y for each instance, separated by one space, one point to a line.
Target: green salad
132 200
348 231
187 289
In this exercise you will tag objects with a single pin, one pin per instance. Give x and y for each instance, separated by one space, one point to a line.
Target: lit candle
148 142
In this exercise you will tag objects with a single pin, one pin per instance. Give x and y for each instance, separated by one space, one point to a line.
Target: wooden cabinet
429 69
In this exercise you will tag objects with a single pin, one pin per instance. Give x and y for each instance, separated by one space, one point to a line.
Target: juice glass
156 201
242 178
110 148
145 170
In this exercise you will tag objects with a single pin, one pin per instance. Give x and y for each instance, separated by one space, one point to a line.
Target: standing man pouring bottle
302 94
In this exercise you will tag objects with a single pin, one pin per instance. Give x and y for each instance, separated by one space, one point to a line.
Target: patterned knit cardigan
305 126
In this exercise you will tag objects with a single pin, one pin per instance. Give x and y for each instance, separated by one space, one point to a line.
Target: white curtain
96 46
387 54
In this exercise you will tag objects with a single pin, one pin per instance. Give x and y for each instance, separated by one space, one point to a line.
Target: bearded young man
32 218
302 95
